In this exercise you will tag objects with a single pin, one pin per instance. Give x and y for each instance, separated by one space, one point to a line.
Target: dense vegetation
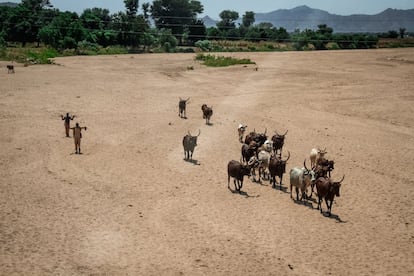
220 61
163 25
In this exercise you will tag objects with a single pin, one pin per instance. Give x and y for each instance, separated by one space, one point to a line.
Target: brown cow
10 68
327 189
237 170
207 113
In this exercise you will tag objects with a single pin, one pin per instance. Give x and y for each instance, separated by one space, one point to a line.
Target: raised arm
62 117
73 117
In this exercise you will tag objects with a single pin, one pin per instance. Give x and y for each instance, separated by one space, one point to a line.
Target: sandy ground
130 204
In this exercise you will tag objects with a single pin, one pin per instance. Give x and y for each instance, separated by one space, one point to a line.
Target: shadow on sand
192 161
281 188
333 216
242 193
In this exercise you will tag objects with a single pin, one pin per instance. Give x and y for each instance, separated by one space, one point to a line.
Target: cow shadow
242 193
334 217
305 203
184 117
210 124
260 182
281 188
192 161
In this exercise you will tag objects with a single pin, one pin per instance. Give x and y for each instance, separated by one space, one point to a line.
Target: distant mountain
303 17
9 4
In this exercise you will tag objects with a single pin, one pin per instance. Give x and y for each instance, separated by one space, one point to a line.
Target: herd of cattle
261 158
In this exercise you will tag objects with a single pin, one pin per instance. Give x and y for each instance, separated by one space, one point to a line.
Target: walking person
77 135
67 120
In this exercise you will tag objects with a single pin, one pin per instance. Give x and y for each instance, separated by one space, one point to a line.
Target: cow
181 108
327 189
207 113
301 179
277 167
278 142
10 68
241 129
237 171
189 143
264 160
316 155
259 138
324 168
267 146
248 151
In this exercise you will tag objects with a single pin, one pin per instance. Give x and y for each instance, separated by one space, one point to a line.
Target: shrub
204 45
43 56
220 61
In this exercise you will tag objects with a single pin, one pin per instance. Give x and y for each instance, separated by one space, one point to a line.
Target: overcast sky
214 7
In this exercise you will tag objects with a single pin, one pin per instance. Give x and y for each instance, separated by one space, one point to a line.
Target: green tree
248 19
36 5
197 31
146 9
131 7
175 15
20 25
321 37
214 33
402 32
228 20
97 22
64 31
167 40
129 26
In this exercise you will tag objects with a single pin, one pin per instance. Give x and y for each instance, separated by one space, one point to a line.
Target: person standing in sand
77 135
67 119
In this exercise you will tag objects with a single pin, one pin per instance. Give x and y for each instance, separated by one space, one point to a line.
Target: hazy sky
214 7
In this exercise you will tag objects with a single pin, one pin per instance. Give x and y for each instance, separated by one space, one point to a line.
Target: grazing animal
248 151
301 179
237 170
254 164
277 167
267 146
181 108
278 142
189 143
316 155
259 138
324 168
264 160
327 189
10 68
241 129
207 113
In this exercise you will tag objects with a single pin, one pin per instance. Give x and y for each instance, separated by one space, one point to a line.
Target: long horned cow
181 107
189 143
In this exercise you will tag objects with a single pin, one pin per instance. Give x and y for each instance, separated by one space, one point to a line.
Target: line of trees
164 23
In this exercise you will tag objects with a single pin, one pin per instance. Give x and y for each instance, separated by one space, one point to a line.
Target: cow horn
276 133
288 156
343 177
187 99
265 131
181 99
285 132
199 132
304 164
189 133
